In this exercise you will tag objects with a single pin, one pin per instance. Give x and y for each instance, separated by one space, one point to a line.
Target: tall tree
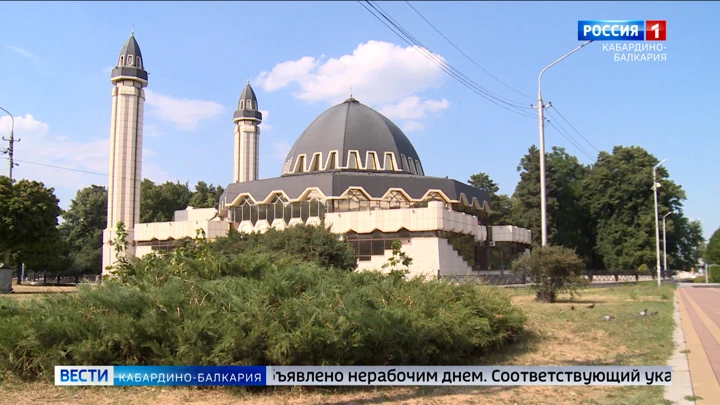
500 204
158 203
205 196
28 221
712 251
82 229
618 192
567 219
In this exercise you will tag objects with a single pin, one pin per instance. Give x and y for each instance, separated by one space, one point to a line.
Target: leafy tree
82 229
567 218
28 221
712 251
618 192
158 203
553 269
500 204
307 242
205 196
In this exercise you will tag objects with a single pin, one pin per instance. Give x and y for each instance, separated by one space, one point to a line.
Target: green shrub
643 270
198 306
553 269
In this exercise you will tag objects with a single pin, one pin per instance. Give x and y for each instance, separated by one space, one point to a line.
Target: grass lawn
558 336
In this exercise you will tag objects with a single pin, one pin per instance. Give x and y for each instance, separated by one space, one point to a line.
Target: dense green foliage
604 211
29 214
553 269
712 251
160 201
202 306
82 229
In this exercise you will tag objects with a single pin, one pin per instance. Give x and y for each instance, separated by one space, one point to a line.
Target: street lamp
665 243
541 129
656 185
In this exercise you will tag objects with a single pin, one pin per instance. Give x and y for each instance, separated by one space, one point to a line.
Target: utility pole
657 225
541 130
10 151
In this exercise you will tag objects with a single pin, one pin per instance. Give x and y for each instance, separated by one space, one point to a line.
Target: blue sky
302 57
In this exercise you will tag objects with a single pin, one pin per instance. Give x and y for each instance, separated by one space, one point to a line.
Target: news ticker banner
649 37
359 375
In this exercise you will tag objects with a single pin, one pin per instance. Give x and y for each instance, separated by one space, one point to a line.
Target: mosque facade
352 169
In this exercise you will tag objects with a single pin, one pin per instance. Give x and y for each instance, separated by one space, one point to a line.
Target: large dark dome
352 136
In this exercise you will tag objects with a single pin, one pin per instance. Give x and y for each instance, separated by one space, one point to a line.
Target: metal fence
55 279
522 279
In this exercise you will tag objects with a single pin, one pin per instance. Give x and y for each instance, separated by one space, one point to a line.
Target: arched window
389 164
315 163
352 160
300 164
403 163
330 165
129 60
419 168
411 165
138 61
242 104
122 60
370 161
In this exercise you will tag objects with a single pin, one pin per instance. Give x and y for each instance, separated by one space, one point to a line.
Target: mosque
352 168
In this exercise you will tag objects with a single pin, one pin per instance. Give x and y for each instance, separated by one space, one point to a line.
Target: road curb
682 384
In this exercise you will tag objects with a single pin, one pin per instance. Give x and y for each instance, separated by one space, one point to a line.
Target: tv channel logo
622 30
84 375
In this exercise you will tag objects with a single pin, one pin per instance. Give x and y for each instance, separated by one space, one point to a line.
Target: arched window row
386 161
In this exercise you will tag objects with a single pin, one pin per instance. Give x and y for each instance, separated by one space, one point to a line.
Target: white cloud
411 126
152 131
378 73
413 108
184 113
264 125
47 157
25 53
280 149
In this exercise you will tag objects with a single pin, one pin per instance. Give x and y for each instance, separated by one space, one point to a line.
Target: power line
573 127
568 137
465 54
401 32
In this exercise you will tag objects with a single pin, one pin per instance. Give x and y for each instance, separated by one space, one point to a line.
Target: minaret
126 119
247 119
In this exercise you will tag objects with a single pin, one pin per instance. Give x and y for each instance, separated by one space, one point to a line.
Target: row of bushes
203 305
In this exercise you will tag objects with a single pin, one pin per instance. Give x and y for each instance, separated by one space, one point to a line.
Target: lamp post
541 129
665 267
657 225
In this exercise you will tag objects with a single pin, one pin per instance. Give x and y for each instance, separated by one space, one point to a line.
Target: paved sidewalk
699 313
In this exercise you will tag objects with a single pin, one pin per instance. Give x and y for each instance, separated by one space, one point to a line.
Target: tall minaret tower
247 119
126 120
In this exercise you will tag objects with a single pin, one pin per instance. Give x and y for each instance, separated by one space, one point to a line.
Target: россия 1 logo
627 30
622 30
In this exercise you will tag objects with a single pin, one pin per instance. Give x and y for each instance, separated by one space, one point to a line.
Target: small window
389 162
352 160
249 105
411 165
403 163
129 60
122 60
419 168
370 161
138 62
242 104
300 164
330 165
315 163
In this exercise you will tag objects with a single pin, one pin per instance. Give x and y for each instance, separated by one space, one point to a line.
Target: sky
303 57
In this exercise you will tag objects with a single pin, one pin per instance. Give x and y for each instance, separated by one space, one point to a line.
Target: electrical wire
573 127
465 54
569 138
401 32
